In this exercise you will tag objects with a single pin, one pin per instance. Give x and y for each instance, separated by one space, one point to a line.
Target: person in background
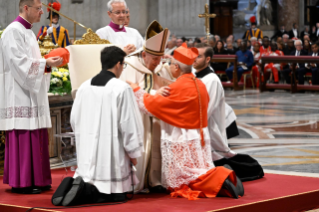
294 32
245 62
219 50
279 33
307 46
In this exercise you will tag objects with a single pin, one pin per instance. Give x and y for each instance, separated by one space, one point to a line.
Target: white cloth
295 32
164 71
131 36
24 103
108 131
184 159
137 73
169 51
217 109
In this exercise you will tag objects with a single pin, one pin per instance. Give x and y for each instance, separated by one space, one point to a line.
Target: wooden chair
247 74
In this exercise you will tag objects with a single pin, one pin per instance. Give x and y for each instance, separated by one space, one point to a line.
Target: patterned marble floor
279 129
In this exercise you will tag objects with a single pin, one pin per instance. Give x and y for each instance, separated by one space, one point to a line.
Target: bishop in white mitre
24 106
141 70
109 134
126 37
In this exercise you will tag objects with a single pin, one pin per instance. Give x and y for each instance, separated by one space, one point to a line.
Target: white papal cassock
137 73
109 131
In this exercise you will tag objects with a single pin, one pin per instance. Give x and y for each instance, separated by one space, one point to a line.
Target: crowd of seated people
249 53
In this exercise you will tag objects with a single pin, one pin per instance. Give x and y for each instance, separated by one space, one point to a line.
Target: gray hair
297 41
184 68
109 4
212 38
285 35
253 38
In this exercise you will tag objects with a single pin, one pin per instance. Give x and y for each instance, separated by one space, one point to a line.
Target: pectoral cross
207 17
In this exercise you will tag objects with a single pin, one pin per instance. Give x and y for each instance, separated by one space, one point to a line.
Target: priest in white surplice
141 69
109 134
126 37
24 106
245 167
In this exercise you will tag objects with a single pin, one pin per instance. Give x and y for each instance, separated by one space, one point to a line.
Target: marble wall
290 12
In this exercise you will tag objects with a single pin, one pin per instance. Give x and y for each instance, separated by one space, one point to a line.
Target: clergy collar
116 27
24 22
204 72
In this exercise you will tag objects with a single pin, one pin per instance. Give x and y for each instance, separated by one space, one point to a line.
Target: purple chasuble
22 21
116 27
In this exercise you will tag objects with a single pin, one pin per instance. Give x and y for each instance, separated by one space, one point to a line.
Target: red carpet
271 193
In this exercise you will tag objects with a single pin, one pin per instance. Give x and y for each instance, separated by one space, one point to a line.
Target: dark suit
300 69
291 34
313 36
279 33
313 70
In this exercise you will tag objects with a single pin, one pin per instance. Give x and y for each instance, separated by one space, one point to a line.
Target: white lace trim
23 112
33 73
183 162
139 95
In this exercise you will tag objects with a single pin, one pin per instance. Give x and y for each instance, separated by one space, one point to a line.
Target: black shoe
75 192
158 189
62 190
229 186
239 186
27 190
44 188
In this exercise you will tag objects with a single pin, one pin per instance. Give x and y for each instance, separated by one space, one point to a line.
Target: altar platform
273 193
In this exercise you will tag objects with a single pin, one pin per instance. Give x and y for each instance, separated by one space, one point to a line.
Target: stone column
290 12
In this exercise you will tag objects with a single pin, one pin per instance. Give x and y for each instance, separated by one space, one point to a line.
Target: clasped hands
129 49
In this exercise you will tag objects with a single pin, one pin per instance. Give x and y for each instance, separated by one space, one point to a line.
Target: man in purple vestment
24 107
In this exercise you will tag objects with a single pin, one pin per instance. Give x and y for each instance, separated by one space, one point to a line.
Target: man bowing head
24 106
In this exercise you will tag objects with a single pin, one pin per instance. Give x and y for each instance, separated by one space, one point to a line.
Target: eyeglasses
124 65
38 9
124 12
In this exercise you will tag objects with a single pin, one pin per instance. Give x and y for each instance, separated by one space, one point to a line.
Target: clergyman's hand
54 61
164 91
129 49
133 85
133 161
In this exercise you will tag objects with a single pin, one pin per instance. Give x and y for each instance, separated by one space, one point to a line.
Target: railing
229 59
293 60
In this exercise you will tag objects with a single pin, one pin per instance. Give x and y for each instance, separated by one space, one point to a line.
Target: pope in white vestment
141 69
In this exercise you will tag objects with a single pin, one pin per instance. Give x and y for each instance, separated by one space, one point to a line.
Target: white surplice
137 73
24 103
184 159
131 36
108 131
216 117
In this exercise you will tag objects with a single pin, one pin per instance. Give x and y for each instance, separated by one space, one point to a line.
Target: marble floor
279 129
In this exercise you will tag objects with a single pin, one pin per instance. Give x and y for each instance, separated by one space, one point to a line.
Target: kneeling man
109 135
187 167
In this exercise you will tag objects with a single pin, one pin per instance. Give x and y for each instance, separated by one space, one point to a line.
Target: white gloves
50 30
